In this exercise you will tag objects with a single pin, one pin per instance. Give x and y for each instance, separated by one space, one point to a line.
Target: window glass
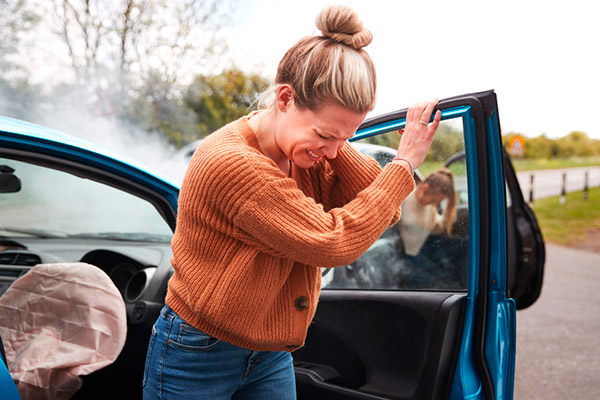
53 203
428 248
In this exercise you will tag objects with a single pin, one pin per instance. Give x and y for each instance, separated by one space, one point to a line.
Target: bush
575 145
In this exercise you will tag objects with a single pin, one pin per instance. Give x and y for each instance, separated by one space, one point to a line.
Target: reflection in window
428 248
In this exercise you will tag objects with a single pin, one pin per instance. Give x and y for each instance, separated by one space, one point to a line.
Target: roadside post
585 186
531 189
563 193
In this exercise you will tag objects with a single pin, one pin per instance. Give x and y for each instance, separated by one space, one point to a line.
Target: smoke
149 148
71 113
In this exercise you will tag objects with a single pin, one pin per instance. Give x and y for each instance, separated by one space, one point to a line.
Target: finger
436 121
416 115
410 115
426 115
420 107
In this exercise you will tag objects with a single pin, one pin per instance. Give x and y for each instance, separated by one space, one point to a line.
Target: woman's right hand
417 134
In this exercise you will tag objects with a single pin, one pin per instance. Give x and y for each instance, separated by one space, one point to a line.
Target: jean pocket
149 355
188 337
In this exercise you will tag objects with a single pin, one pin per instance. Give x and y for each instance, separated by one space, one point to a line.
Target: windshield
52 203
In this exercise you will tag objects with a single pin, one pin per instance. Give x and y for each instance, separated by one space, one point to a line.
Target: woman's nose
332 148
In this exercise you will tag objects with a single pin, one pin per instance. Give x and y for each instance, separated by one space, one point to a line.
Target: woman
266 202
430 256
420 215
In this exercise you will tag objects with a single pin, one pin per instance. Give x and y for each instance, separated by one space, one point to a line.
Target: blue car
433 322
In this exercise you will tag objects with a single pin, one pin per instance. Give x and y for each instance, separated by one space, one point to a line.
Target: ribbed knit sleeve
342 178
353 172
284 220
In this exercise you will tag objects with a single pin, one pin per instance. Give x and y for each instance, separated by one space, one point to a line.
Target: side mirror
9 182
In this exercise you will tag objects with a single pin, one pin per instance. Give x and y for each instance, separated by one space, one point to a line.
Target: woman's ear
285 95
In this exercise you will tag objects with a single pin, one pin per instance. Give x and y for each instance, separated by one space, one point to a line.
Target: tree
541 147
117 46
219 99
151 109
16 19
126 59
447 142
575 144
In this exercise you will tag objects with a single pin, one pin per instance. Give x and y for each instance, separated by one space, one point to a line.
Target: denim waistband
167 312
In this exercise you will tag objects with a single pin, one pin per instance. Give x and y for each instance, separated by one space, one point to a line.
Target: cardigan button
301 303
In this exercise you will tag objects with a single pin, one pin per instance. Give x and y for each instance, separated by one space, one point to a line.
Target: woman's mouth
312 156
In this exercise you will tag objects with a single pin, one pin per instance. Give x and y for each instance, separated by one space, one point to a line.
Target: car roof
43 134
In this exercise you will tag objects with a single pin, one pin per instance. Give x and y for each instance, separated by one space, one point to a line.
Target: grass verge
568 224
554 163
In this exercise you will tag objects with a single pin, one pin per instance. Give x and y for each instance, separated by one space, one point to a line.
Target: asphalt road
558 337
548 183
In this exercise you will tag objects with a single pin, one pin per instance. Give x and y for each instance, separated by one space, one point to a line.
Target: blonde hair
332 68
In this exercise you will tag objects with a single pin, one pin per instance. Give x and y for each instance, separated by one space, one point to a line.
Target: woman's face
427 196
305 136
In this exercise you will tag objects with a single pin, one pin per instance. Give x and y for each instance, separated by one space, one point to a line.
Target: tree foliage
219 99
575 144
448 141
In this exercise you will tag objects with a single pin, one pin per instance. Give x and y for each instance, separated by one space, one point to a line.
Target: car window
52 203
428 248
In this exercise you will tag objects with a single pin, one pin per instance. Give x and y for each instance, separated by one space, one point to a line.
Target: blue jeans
186 363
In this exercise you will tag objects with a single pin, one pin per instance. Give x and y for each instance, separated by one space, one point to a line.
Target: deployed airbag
59 322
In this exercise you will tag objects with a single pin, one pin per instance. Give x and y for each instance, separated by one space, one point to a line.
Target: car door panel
356 341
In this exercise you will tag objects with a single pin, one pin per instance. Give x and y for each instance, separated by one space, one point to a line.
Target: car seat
58 323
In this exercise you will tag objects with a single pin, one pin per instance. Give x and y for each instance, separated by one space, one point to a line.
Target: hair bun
342 24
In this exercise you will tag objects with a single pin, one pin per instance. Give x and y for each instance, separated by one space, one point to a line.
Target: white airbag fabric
59 322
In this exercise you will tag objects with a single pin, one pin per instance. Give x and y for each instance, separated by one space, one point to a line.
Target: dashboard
139 270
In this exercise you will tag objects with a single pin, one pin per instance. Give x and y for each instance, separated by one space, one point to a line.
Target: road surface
558 337
548 183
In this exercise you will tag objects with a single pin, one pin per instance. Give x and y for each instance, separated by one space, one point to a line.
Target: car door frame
473 376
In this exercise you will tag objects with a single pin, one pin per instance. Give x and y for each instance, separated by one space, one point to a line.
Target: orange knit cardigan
250 242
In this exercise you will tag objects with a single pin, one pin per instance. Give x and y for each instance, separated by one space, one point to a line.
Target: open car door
431 320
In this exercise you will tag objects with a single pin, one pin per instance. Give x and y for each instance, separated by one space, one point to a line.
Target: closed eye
323 134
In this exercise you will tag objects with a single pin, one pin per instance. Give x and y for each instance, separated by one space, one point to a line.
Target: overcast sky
541 57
